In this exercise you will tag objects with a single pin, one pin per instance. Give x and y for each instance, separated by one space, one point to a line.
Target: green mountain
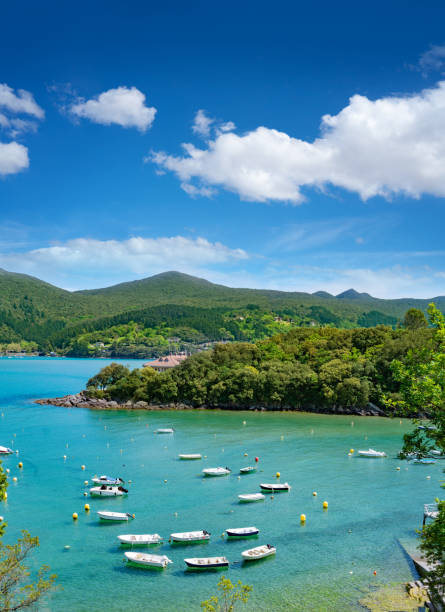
149 311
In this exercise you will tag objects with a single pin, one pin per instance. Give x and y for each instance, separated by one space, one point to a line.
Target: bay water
326 564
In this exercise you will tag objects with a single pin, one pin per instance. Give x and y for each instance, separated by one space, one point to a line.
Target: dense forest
171 312
304 368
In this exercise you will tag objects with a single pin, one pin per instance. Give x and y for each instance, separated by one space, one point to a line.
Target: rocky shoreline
81 400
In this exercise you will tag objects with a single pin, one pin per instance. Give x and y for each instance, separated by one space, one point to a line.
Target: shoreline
81 400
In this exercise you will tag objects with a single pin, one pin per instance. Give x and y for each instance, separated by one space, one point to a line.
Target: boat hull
249 499
261 552
147 561
271 488
206 563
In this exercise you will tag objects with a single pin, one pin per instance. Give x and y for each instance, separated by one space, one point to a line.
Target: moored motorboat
371 453
218 471
424 461
143 539
251 497
4 450
242 532
107 480
105 491
190 457
275 486
147 560
259 552
115 516
206 563
248 470
190 536
165 430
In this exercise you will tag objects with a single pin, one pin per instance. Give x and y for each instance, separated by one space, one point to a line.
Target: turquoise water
325 565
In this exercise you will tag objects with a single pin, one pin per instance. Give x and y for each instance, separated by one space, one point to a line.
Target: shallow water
326 564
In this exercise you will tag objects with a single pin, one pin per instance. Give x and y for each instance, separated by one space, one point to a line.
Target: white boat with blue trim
147 561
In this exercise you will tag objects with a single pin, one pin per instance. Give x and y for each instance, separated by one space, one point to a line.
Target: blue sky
314 138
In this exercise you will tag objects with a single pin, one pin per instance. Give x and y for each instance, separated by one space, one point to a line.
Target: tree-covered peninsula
327 369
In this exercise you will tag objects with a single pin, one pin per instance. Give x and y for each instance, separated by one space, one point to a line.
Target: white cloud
124 106
86 262
13 158
20 102
201 124
390 146
432 60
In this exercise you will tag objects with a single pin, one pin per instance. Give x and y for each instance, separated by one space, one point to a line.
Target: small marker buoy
375 573
303 518
244 423
130 481
15 479
176 514
245 454
239 477
256 459
325 505
67 547
314 493
87 507
7 470
272 496
282 438
64 457
352 451
85 482
82 467
165 480
278 474
428 477
397 468
20 464
75 516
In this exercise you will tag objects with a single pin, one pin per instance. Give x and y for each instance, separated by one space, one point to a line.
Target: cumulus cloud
389 146
432 60
201 124
13 158
20 102
86 262
124 106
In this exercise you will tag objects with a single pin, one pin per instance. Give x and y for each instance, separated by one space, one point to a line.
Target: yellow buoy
20 464
351 451
85 482
75 516
278 474
303 518
87 507
314 493
245 454
325 505
82 467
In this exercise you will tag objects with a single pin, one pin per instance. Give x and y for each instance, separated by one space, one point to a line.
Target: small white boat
218 471
146 560
251 497
242 532
275 486
165 430
143 539
371 453
207 562
424 461
4 450
190 457
248 470
190 536
107 480
115 516
259 552
105 491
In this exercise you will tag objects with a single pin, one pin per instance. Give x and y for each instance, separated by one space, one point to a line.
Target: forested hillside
171 311
323 368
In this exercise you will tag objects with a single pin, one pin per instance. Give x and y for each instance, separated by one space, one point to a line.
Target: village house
165 363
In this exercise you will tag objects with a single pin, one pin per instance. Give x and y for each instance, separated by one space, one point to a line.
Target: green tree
15 594
414 319
108 376
432 545
228 597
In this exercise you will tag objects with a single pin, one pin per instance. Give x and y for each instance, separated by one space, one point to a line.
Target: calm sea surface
325 565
